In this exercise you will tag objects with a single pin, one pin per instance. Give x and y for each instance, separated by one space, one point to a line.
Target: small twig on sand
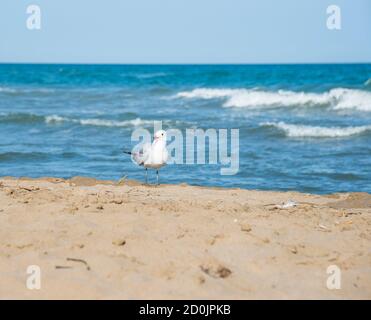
324 228
121 181
29 189
81 261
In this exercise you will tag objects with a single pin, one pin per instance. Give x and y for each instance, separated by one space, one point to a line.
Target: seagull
152 156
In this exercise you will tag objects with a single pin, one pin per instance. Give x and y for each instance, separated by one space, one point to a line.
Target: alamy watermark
33 21
33 281
191 148
333 21
334 279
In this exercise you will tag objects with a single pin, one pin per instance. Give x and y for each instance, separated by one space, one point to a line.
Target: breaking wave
26 90
337 99
306 131
152 75
7 90
28 118
98 122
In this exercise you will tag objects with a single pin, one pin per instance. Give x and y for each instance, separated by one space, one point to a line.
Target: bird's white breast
158 155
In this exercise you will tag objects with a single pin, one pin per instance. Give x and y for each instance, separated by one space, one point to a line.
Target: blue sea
301 127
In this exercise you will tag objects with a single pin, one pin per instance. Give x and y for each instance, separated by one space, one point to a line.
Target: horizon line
184 63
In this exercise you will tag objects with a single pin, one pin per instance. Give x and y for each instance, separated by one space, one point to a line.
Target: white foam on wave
113 123
98 122
7 90
351 99
338 99
54 118
26 90
151 75
305 131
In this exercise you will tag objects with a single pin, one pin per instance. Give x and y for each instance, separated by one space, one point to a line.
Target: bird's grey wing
142 155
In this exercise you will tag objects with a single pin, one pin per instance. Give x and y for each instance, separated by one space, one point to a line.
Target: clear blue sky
185 31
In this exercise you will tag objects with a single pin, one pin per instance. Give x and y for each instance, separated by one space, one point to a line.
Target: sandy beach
102 240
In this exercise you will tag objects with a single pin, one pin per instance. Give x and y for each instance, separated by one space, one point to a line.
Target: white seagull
152 156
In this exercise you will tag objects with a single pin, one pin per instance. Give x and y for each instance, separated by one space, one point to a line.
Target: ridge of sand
101 240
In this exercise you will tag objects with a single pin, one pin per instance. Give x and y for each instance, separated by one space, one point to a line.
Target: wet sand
102 240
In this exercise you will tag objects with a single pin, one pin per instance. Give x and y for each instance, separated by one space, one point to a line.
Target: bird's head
160 135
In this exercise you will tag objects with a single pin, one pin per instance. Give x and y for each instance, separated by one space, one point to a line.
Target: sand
100 240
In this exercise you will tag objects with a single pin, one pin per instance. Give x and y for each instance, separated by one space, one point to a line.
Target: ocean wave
306 131
337 99
13 155
98 122
35 155
26 90
152 75
20 118
28 118
7 90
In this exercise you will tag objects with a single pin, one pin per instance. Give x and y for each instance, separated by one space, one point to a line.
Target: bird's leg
146 176
157 178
